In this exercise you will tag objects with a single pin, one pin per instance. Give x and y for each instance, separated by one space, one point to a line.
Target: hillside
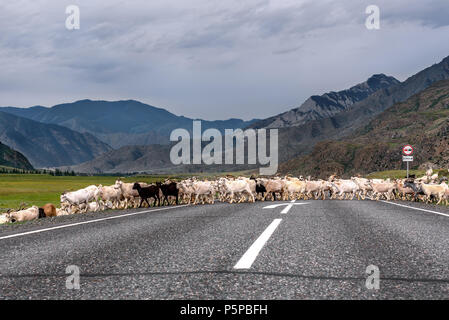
422 120
48 145
152 159
119 123
300 140
12 158
127 159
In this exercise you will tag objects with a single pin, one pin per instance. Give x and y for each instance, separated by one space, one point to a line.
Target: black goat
169 189
260 188
147 192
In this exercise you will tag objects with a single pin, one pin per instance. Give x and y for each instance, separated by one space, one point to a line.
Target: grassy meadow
400 174
395 174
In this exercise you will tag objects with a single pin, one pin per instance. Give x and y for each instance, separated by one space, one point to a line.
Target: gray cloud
207 58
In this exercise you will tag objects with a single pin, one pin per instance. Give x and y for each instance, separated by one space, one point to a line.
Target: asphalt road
316 250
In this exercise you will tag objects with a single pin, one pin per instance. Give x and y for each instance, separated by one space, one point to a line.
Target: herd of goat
121 195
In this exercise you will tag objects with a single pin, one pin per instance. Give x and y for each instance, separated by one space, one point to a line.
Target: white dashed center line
287 208
247 260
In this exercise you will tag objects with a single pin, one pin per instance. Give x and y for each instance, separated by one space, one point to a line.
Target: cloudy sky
211 59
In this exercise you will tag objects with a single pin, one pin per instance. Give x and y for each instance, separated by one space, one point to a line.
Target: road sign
407 150
407 156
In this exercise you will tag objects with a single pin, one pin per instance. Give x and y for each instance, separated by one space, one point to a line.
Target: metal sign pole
407 170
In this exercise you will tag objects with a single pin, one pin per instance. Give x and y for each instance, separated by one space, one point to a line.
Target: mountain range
130 136
48 145
119 123
422 120
299 140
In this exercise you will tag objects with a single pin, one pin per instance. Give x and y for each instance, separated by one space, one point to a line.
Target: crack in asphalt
275 274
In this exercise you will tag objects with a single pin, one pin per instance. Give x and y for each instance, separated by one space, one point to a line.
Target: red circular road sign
407 150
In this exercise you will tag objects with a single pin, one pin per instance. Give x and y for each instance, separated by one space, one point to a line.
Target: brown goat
48 210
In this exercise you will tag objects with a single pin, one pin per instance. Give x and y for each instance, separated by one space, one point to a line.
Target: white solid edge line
425 210
86 222
251 254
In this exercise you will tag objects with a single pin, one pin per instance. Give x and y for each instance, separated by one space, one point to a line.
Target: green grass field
399 174
39 189
395 174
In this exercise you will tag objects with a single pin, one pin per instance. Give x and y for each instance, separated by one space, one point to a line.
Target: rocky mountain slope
48 145
12 158
422 120
119 123
328 104
300 140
